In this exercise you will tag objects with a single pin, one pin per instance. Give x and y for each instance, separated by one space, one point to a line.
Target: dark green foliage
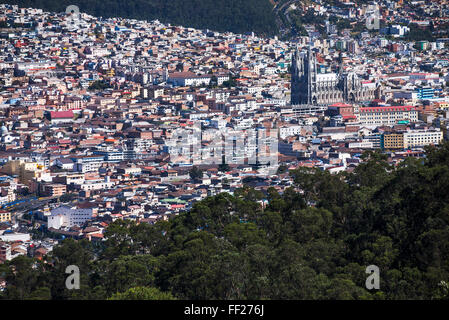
282 169
230 83
419 34
195 173
238 16
26 279
223 167
99 85
142 293
312 242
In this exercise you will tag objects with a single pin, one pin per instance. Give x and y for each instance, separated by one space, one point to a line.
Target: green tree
142 293
195 173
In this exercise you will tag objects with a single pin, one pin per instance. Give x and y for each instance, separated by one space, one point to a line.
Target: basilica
310 86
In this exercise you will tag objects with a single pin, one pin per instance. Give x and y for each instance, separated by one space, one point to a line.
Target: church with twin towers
309 86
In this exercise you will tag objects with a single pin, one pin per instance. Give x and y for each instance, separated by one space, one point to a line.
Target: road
283 10
20 209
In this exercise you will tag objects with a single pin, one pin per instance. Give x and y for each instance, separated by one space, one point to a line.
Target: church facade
309 86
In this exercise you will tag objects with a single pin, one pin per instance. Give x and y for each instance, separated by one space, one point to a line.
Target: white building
89 164
361 145
386 116
64 163
65 216
189 79
420 138
398 30
218 123
96 184
11 237
222 78
287 131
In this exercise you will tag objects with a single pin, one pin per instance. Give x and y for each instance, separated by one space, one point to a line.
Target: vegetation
67 197
223 166
195 173
282 169
230 83
99 85
142 293
419 34
312 244
238 16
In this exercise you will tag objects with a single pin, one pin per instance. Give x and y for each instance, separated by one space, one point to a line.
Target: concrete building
386 116
65 216
188 79
393 141
54 189
287 131
411 139
420 138
5 216
12 237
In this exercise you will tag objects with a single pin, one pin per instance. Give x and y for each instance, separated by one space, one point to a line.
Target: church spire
340 64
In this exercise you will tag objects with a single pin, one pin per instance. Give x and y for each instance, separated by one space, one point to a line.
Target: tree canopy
239 16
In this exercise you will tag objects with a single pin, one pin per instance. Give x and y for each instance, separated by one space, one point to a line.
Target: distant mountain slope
239 16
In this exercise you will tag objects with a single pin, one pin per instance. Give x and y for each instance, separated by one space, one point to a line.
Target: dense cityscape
114 125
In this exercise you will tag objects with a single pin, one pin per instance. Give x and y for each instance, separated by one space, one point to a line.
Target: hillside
239 16
229 247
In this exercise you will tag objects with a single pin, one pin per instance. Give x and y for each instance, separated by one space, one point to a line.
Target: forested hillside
229 247
238 16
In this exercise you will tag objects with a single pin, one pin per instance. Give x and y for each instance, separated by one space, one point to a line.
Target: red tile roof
61 114
385 109
340 105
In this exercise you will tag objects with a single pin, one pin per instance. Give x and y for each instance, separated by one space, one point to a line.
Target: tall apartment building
393 141
375 139
88 163
420 138
425 93
411 139
54 189
26 171
386 116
